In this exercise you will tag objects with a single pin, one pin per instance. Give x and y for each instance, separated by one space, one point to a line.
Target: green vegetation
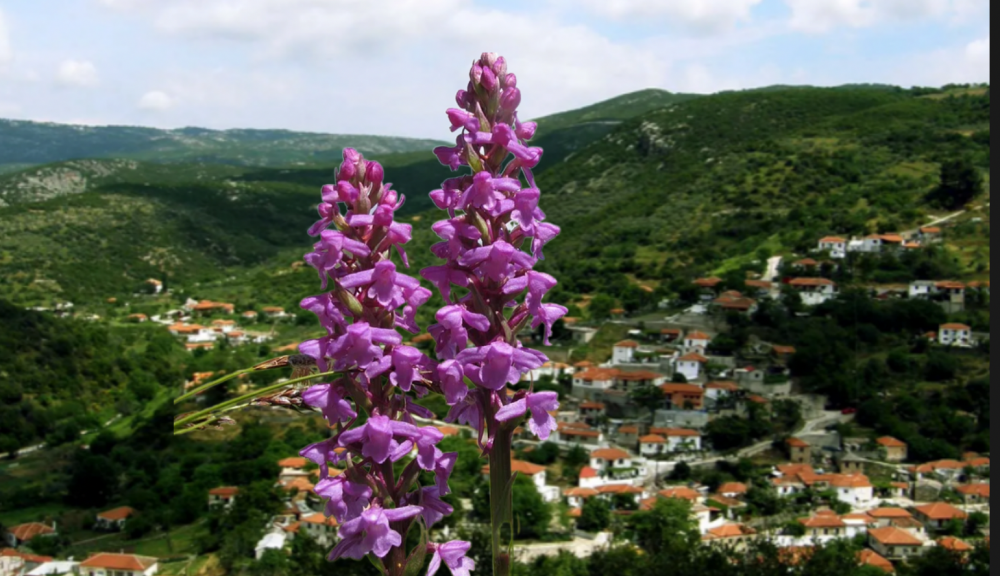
25 142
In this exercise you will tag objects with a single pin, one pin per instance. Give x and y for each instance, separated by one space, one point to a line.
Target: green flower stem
247 397
501 500
212 384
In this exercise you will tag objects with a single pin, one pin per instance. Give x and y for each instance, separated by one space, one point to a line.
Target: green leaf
415 563
376 563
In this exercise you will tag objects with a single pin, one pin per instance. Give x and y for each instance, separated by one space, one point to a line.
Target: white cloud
156 101
6 52
703 15
77 73
818 16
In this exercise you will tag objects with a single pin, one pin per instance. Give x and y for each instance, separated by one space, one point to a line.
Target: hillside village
643 417
789 383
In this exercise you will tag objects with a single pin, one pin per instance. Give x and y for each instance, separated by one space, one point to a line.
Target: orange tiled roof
588 472
890 442
698 336
950 285
733 488
730 386
930 230
580 493
320 519
627 344
597 374
520 467
796 469
117 514
823 521
26 532
640 376
224 492
954 544
784 350
732 531
850 481
628 430
592 406
579 432
610 454
676 433
682 389
680 493
889 513
119 562
956 327
693 357
894 537
797 443
941 511
833 240
708 282
294 462
619 489
980 490
871 558
652 439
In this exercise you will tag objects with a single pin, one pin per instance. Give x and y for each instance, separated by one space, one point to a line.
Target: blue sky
393 66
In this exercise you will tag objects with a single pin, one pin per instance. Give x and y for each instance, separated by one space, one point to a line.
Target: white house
718 390
105 564
194 333
591 384
836 246
320 528
23 533
653 445
696 342
226 326
679 439
815 291
872 244
55 568
691 365
156 285
224 496
609 459
855 490
575 497
272 541
554 370
114 519
955 335
922 289
624 352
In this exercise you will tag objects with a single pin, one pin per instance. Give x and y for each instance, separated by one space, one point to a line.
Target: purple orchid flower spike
370 533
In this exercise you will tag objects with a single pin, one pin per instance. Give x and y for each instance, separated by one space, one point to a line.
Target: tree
681 472
94 480
544 454
649 396
600 307
679 378
667 528
595 516
532 515
577 456
272 563
961 182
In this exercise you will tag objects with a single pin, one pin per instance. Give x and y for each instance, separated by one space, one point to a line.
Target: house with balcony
683 396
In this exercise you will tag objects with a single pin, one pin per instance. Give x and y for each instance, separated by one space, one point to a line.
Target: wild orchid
491 240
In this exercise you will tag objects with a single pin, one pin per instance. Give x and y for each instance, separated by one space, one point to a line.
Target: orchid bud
500 67
375 173
510 100
347 171
488 59
476 74
461 99
510 81
352 303
489 80
526 130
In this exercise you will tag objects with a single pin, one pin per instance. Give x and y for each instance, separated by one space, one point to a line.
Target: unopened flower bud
489 80
375 173
476 74
510 100
488 59
510 81
352 303
347 171
500 67
461 99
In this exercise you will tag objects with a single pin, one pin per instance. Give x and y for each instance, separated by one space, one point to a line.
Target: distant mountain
705 185
23 142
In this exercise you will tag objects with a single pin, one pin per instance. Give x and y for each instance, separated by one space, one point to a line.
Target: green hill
23 142
702 185
684 190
